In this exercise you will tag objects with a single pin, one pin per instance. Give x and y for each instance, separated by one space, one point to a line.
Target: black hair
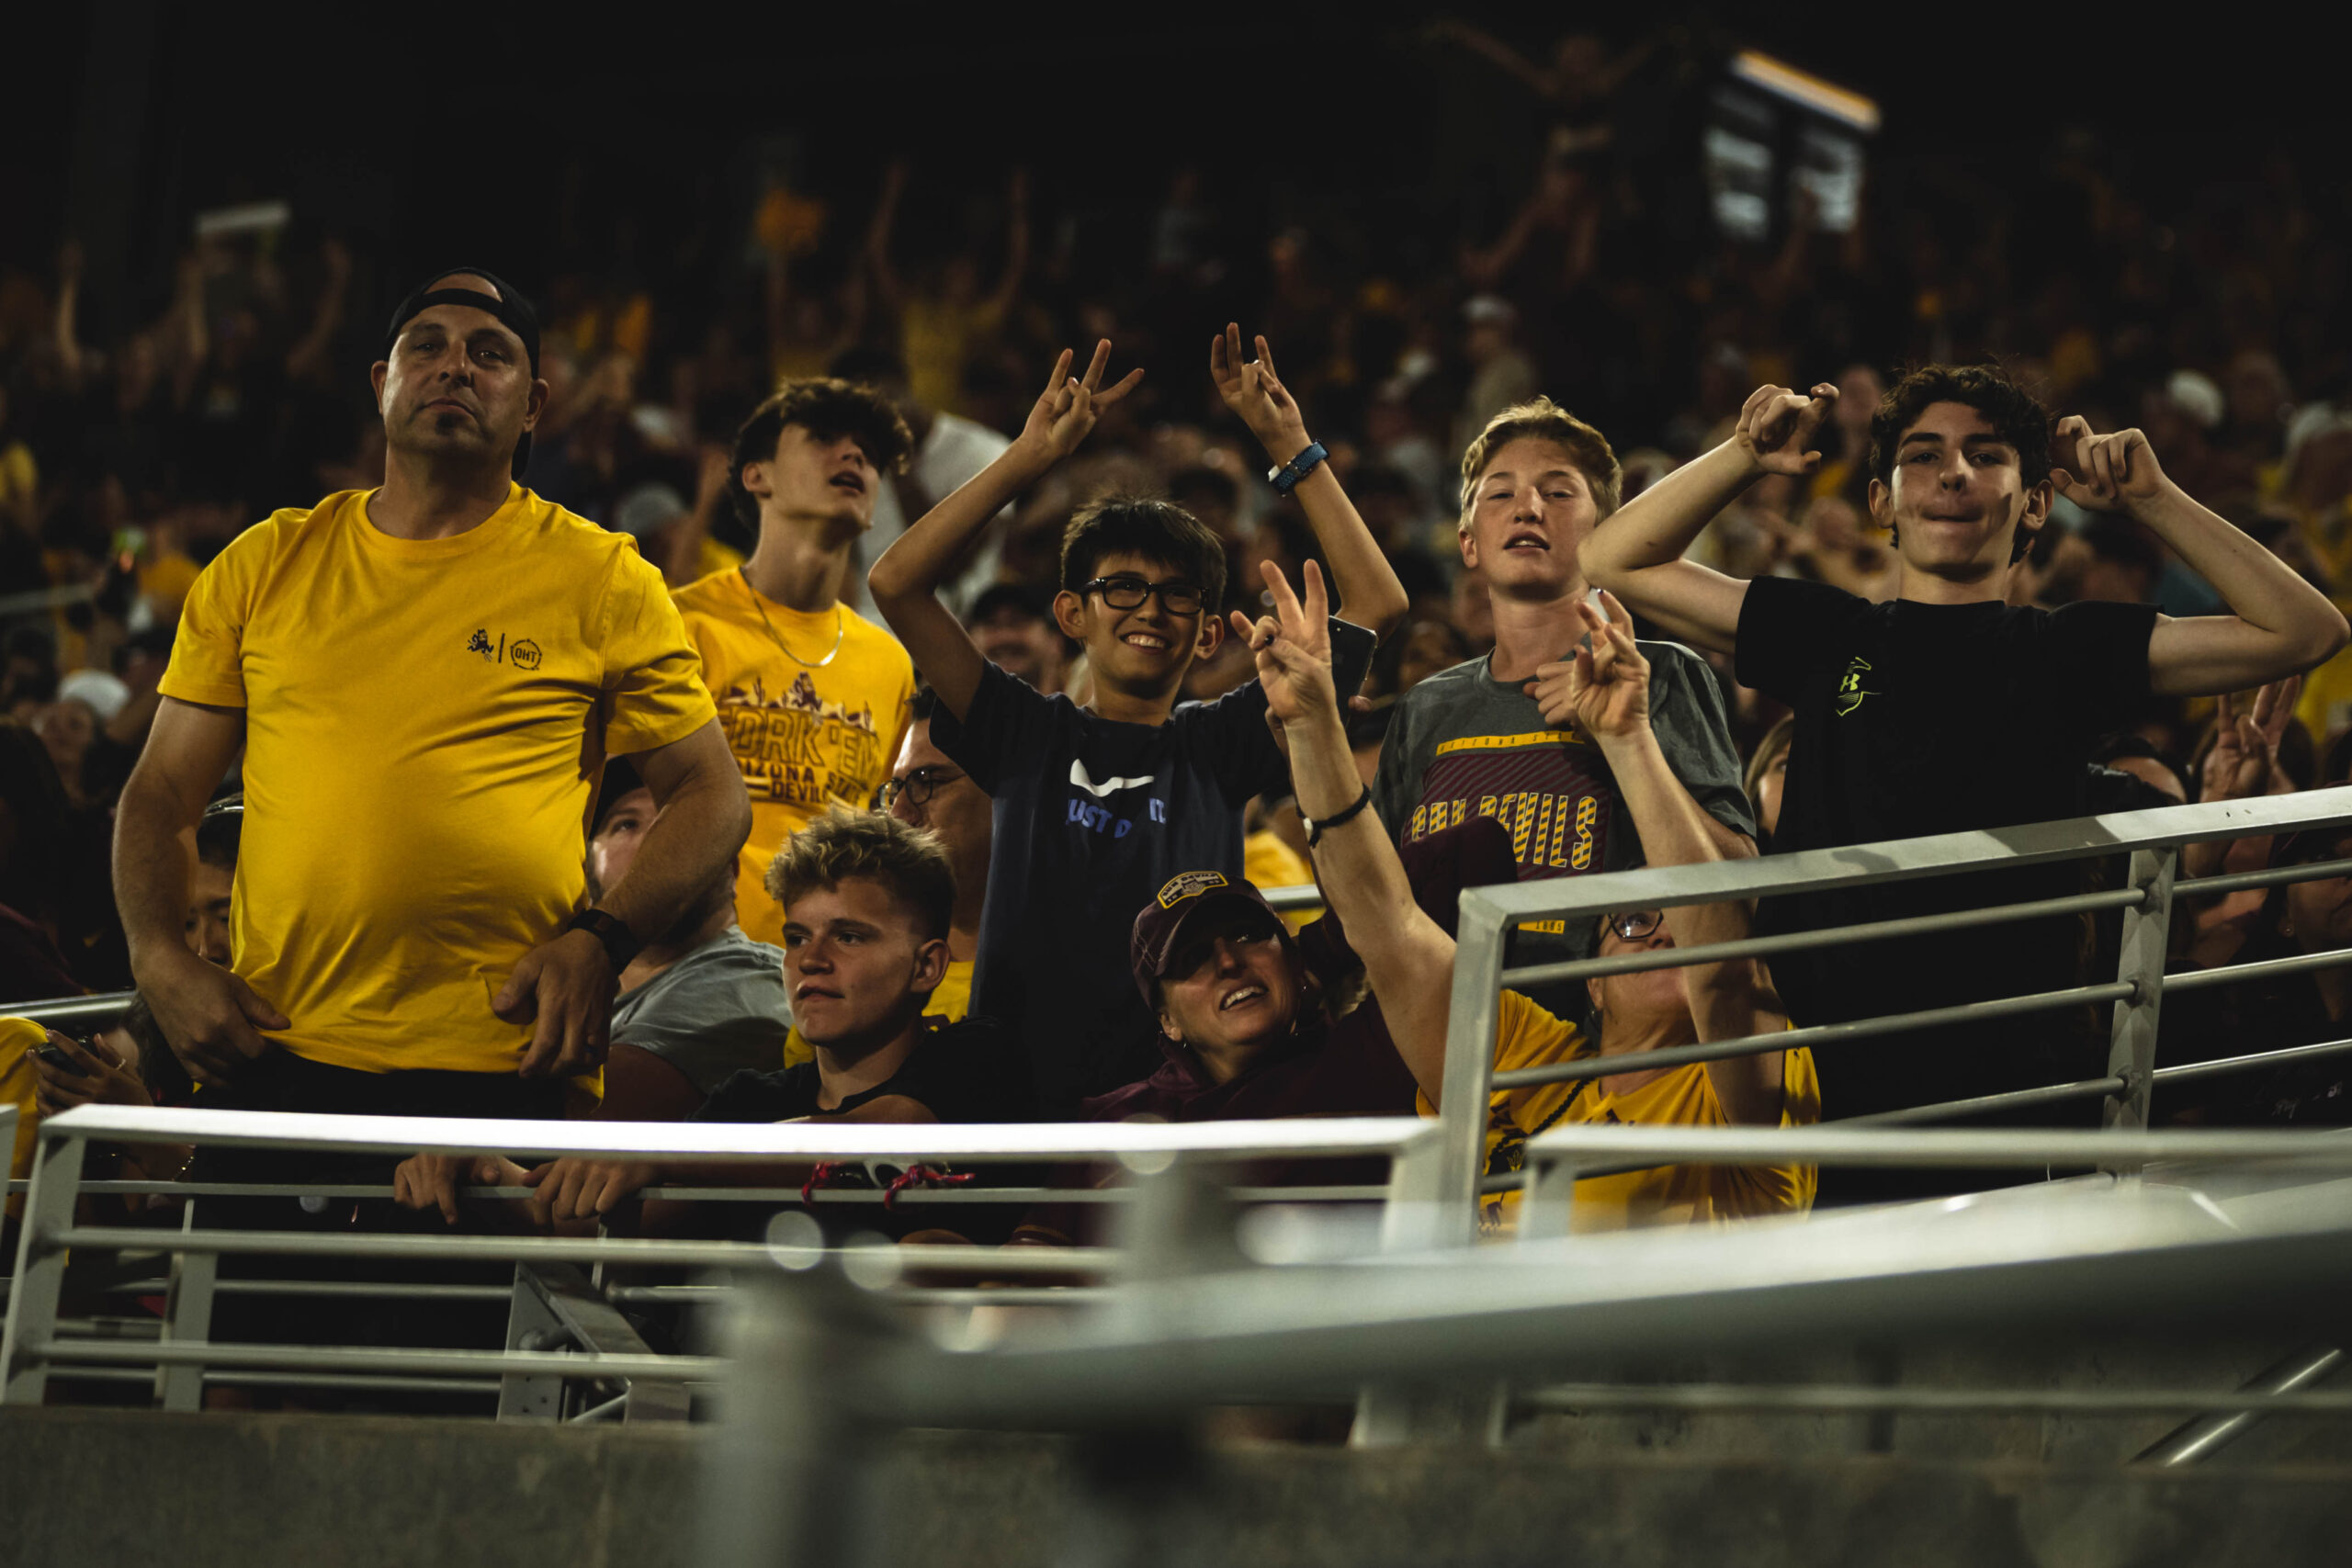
217 837
923 705
827 408
2131 743
2017 416
1159 531
38 815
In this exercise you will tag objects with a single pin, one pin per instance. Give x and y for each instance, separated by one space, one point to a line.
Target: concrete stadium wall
238 1490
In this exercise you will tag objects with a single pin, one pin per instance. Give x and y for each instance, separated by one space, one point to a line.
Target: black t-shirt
1092 818
971 1070
1913 719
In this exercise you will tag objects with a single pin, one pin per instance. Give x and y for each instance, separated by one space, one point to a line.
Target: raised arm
2281 625
1363 581
905 582
211 1017
1609 690
1637 554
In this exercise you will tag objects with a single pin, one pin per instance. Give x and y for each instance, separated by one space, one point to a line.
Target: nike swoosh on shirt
1085 781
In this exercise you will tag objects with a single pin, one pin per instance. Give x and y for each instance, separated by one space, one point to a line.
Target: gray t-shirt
1464 744
720 1008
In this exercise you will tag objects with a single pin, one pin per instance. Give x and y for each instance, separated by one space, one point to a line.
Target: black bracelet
1315 829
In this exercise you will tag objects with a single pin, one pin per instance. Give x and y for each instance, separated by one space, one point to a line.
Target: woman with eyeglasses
1410 959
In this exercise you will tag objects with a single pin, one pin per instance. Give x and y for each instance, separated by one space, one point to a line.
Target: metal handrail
2152 840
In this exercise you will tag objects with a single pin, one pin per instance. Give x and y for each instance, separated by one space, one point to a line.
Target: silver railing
553 1301
2152 839
822 1377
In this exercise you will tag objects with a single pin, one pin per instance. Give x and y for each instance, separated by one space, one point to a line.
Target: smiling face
857 965
811 475
1528 511
1144 650
1231 986
1956 497
458 384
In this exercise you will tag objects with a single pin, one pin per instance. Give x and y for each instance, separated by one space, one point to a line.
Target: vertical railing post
1547 1199
40 1267
1471 1023
187 1316
1409 1221
2132 1046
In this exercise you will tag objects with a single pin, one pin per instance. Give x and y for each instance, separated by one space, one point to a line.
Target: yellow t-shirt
424 722
1268 862
1680 1194
805 735
20 1038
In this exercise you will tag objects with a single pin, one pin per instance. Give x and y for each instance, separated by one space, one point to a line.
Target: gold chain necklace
841 626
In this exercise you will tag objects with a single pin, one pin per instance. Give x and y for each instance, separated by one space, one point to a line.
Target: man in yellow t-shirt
424 679
1408 958
813 696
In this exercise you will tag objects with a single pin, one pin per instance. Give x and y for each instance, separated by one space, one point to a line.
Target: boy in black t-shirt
866 900
1097 806
1948 709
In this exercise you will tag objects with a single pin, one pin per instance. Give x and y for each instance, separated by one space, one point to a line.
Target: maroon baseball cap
1184 896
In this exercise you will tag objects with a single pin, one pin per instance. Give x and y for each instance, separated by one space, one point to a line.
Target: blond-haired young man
1496 737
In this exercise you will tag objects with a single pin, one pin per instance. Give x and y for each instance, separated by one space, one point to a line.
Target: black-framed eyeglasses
1176 596
1636 924
920 786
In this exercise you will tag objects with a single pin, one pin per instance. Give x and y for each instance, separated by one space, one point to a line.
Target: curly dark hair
827 408
1159 531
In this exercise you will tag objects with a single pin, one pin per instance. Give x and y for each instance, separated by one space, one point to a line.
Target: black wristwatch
620 942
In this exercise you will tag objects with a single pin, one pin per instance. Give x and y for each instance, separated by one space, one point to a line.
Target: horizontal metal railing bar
1902 860
369 1358
746 1143
1988 1147
1986 1104
1348 1194
488 1387
2184 1071
363 1289
1826 936
1306 896
1837 1397
2270 876
617 1250
1813 1035
2260 969
53 1012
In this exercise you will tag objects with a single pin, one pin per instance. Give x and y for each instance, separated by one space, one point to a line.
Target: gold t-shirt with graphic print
425 720
1527 1036
806 731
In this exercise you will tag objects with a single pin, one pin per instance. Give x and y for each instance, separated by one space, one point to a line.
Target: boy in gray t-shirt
1493 738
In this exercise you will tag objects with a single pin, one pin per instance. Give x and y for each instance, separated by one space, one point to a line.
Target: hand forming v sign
2102 473
1776 426
1604 688
1252 390
1293 646
1068 407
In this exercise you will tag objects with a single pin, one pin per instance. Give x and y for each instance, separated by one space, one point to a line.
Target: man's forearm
1362 879
695 836
1657 526
1673 829
926 555
153 854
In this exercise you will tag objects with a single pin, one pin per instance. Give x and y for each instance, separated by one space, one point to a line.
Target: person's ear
535 405
1882 504
930 965
1069 615
378 374
1592 993
1469 544
1167 1026
1212 638
754 478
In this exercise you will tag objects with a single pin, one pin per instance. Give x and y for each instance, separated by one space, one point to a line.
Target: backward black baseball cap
508 305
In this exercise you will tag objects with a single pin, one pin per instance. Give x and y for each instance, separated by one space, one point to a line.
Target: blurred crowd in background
1575 258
